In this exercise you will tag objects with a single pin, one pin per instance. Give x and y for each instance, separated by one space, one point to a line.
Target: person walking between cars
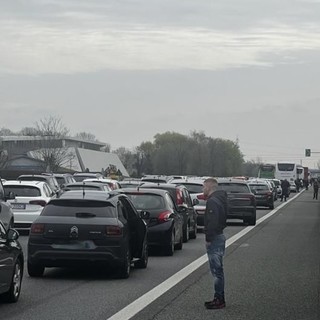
214 222
285 185
315 189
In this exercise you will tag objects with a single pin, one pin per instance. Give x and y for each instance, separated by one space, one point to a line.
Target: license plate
18 205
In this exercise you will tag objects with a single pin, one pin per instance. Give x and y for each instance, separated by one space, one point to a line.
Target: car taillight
37 228
164 216
201 196
114 231
41 203
179 197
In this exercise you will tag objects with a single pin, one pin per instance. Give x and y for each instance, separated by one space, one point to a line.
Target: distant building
21 156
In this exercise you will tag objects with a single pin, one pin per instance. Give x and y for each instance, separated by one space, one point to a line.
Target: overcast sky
125 70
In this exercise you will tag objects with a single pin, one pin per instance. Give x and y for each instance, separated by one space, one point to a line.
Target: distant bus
267 171
300 172
286 170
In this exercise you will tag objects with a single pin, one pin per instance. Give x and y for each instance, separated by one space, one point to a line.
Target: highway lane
83 294
271 273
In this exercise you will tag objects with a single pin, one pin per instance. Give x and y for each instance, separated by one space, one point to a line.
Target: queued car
30 197
11 265
6 213
241 201
86 185
165 220
80 176
277 182
88 228
48 178
62 178
181 197
113 184
263 194
155 178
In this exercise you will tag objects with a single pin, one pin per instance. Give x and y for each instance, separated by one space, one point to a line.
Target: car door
177 216
137 227
6 261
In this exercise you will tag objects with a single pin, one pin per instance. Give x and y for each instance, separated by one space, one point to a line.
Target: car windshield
234 187
147 201
72 208
23 191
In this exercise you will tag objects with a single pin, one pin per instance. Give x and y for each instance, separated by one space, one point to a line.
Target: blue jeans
215 251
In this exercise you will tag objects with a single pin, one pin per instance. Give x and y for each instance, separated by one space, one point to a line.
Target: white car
30 198
113 184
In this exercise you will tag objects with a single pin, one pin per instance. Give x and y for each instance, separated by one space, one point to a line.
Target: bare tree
86 136
53 151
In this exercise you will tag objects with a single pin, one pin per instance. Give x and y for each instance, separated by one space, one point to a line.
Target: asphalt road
272 272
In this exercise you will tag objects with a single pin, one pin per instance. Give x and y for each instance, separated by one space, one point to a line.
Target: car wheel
35 270
186 233
125 266
251 220
14 292
143 262
271 206
169 249
179 245
193 233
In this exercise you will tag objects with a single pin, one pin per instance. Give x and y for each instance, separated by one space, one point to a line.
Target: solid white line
136 306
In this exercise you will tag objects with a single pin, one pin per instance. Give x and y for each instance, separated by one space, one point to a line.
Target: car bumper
160 234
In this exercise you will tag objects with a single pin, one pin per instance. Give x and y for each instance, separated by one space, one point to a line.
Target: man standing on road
315 189
214 222
285 186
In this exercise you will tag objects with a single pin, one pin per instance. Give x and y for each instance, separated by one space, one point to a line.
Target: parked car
86 185
130 183
6 213
263 194
165 221
49 179
181 197
155 178
11 265
80 176
92 227
29 199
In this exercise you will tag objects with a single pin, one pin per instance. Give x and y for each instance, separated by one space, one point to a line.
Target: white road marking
136 306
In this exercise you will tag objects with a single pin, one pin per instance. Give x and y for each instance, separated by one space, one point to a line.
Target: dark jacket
215 217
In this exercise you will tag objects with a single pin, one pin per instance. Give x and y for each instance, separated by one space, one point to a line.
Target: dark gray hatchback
83 227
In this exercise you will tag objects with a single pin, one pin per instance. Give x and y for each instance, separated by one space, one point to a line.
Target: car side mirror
144 214
195 202
12 235
182 209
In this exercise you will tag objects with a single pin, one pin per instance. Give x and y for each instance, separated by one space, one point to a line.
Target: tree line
169 153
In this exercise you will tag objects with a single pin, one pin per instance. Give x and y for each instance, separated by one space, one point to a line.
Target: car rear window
193 187
72 208
31 178
145 201
23 191
234 187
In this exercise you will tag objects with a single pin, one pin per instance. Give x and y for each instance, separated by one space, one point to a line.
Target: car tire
14 292
143 261
186 233
35 270
169 249
11 224
271 206
179 245
125 266
193 233
251 220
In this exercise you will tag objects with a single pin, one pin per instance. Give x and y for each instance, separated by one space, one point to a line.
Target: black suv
87 228
181 198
